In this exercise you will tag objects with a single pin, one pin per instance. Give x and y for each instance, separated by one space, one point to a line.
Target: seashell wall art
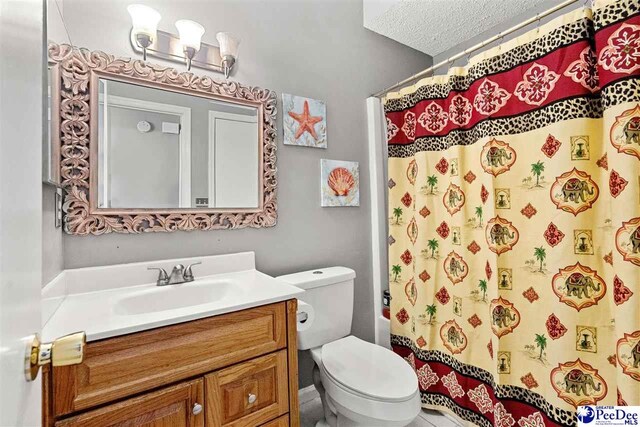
340 183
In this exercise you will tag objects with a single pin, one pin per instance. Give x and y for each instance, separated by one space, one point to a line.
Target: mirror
169 150
147 148
54 30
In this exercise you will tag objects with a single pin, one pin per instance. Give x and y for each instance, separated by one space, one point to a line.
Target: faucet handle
163 277
188 274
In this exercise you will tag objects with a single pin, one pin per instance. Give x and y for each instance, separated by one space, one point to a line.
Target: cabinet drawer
170 407
118 367
280 422
248 394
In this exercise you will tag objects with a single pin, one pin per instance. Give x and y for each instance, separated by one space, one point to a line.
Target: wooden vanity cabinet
172 406
232 370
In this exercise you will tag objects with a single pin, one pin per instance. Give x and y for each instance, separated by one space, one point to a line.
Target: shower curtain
514 224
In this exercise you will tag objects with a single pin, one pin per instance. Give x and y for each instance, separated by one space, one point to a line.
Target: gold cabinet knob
65 351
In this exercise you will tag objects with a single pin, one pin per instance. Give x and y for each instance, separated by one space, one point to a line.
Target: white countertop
104 313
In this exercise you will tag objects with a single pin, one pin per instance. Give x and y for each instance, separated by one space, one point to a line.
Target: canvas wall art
304 121
340 185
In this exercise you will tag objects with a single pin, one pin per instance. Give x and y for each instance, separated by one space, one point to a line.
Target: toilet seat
369 370
389 400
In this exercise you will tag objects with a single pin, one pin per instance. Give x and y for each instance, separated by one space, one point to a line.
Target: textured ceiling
434 26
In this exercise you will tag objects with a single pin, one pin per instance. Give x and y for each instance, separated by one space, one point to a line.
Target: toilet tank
329 291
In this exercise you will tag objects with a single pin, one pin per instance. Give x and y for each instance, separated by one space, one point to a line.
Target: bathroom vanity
212 345
218 351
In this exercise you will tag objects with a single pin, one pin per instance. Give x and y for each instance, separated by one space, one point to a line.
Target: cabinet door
280 422
119 367
248 394
181 405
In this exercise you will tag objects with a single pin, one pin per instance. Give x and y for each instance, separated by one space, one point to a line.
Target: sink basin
173 297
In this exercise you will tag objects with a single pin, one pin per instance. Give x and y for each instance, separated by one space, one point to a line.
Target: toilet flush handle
302 316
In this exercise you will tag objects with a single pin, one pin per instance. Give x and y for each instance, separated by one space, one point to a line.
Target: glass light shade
228 44
144 19
190 34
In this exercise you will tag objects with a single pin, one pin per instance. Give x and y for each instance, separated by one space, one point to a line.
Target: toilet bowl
360 384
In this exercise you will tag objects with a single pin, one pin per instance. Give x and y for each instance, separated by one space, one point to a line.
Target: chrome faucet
179 274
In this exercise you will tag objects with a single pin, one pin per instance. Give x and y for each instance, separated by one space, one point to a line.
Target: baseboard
307 394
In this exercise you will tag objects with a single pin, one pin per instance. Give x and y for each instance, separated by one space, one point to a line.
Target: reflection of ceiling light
146 38
145 25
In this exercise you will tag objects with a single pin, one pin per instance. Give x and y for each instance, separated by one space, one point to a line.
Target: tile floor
311 412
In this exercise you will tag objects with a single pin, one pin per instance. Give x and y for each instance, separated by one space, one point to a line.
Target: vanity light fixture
190 38
145 26
228 51
145 38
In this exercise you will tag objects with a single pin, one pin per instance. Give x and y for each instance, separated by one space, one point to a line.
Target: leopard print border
566 35
561 37
560 416
621 91
621 10
582 107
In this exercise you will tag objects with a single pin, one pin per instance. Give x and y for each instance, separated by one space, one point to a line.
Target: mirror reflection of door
233 159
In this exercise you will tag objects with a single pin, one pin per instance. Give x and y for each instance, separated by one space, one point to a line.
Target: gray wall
311 48
144 168
52 254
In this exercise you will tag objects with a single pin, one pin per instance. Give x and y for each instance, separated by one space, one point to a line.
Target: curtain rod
478 46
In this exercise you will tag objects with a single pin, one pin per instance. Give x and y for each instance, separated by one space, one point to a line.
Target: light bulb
228 51
144 19
145 25
228 44
190 34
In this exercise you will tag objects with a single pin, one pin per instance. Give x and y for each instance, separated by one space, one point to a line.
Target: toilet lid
369 369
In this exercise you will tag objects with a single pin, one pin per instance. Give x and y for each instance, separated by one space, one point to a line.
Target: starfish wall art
304 121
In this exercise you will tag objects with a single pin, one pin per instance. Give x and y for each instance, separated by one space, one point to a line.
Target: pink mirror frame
75 141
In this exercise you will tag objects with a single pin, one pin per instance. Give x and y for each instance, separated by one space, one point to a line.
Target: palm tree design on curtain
433 245
479 214
397 214
396 270
541 342
482 284
540 254
536 169
431 311
432 181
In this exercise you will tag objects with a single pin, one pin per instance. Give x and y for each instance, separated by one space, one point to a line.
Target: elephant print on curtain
514 220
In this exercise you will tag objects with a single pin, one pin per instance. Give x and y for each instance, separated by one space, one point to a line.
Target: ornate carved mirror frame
76 126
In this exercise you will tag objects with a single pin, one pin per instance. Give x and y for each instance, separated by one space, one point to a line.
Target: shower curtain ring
538 23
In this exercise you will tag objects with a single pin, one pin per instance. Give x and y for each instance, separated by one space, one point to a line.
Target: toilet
360 384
